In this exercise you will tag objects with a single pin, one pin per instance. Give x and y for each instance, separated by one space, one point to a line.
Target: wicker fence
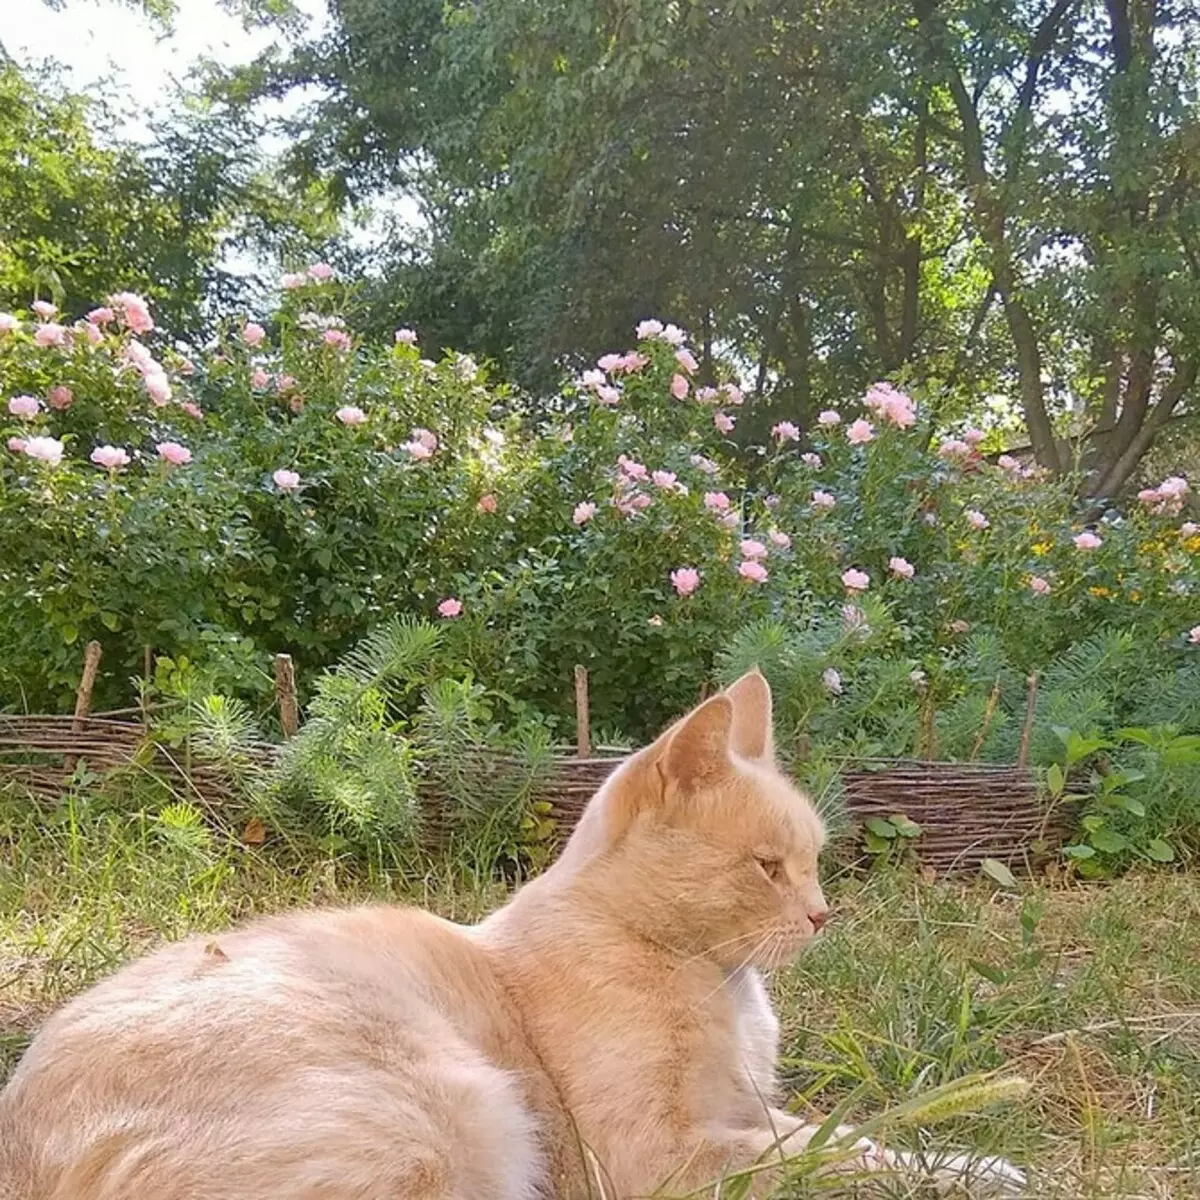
967 811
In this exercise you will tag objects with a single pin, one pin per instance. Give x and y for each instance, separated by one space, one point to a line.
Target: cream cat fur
604 1034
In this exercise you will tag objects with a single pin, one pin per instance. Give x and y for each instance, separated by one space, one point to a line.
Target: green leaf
881 828
1055 779
1160 850
875 844
110 621
994 869
1109 841
904 827
990 973
1080 850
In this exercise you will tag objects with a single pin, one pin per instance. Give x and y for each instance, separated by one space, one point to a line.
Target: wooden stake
285 694
1027 728
989 711
83 694
583 730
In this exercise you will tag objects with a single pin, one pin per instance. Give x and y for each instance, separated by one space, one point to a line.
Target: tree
995 197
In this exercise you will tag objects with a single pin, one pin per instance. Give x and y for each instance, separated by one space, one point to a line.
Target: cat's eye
772 868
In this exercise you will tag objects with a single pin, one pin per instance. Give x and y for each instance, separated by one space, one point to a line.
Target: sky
97 40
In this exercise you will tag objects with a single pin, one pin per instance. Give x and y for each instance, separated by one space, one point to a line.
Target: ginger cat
605 1034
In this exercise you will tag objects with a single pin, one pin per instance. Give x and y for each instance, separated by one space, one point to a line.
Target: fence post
583 731
83 694
1027 728
285 694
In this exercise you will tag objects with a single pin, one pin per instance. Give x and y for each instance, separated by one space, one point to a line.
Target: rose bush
288 488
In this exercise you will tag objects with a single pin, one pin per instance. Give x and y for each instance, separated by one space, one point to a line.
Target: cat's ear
698 747
751 734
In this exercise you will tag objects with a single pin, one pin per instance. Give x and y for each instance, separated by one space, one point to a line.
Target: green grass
1092 994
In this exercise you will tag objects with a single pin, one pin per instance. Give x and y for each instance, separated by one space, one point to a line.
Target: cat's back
299 1048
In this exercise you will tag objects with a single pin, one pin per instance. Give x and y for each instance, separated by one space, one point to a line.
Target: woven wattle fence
966 811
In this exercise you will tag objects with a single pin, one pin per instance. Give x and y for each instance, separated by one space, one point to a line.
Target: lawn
1091 993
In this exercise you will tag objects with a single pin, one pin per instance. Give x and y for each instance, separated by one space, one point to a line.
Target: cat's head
706 845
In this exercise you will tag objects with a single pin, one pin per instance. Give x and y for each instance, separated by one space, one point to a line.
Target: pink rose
860 432
417 450
855 580
707 395
664 479
901 567
973 437
593 378
133 311
44 309
406 337
192 410
822 499
811 460
960 626
158 388
45 449
673 335
285 383
8 323
60 397
829 417
111 457
426 438
350 414
733 394
717 501
1189 529
705 464
610 362
338 338
751 548
786 431
487 504
101 316
253 333
50 335
685 580
450 607
584 512
780 539
320 271
25 407
679 387
976 519
608 395
649 329
1039 586
1006 462
1087 540
753 571
293 280
174 453
953 448
687 360
286 481
632 362
630 468
16 445
1193 635
93 333
260 379
724 422
891 405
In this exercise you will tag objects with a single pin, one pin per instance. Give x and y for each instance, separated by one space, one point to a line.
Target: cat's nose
818 919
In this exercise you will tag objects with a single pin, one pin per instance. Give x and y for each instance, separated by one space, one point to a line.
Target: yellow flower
1042 548
1099 591
1135 596
1192 544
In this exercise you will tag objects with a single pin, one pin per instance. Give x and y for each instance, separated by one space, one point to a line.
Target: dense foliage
294 488
1001 198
